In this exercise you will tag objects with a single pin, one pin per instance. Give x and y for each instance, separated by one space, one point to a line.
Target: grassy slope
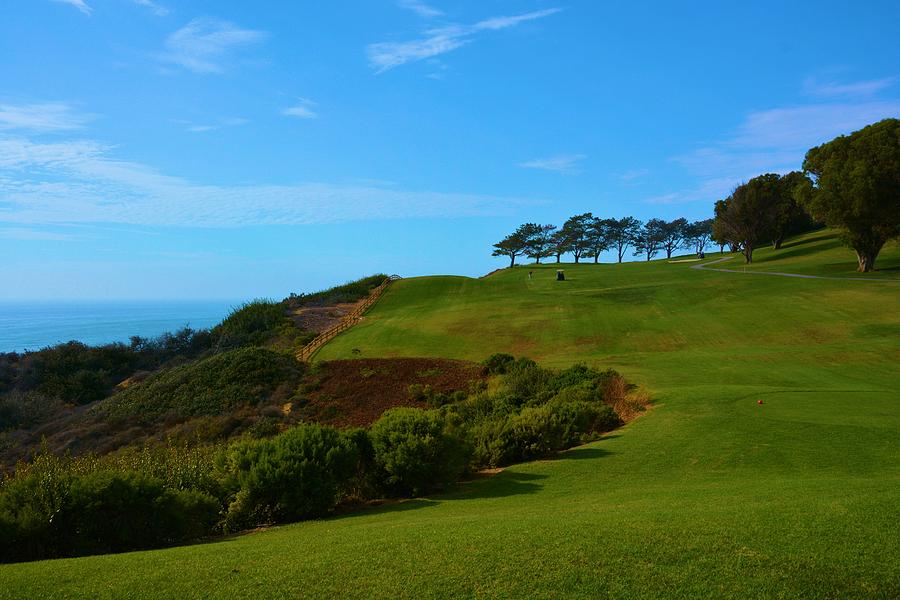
819 253
707 495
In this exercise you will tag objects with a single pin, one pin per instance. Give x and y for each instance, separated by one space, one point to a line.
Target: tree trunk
596 258
777 242
866 260
748 253
668 253
557 258
621 253
721 248
512 260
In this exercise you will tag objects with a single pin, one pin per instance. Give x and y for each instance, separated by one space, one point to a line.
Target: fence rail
347 321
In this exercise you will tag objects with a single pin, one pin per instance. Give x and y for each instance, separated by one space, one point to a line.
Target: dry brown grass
627 401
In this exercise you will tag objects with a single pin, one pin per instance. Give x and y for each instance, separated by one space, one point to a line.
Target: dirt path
706 267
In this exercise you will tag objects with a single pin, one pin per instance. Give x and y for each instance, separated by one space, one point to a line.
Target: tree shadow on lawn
496 485
584 452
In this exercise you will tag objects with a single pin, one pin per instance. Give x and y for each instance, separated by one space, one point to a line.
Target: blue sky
231 149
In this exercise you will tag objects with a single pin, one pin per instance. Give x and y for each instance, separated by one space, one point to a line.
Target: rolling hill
710 494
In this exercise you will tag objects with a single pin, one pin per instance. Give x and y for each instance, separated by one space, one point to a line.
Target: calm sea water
33 325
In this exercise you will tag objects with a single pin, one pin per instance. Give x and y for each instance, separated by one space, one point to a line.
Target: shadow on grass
804 248
584 453
501 485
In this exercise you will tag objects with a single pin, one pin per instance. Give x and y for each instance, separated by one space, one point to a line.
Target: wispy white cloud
772 141
304 109
79 4
202 127
633 174
831 89
80 182
155 8
28 234
566 163
420 8
511 21
388 55
41 117
800 127
206 45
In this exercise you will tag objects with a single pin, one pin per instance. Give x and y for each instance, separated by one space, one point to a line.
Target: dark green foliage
540 411
348 292
76 373
434 399
115 512
34 384
538 431
416 451
296 475
252 323
210 386
497 364
857 187
524 379
59 507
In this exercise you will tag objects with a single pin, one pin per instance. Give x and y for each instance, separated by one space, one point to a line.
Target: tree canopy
856 187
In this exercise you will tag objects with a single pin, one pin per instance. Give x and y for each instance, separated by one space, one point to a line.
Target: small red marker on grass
759 401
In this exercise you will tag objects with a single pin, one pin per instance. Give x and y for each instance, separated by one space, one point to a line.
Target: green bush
416 452
115 512
209 386
252 323
348 292
498 364
295 475
55 509
76 373
538 431
525 380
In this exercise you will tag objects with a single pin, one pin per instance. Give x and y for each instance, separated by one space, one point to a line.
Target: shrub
295 475
498 364
115 512
348 292
209 386
252 323
538 431
76 373
62 507
525 379
415 451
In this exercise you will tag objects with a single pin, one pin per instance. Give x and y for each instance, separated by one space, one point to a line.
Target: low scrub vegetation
208 387
341 294
168 494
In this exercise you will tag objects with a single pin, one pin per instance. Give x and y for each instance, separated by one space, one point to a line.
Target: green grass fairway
821 254
707 495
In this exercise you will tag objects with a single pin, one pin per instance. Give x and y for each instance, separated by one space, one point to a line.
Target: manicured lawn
708 495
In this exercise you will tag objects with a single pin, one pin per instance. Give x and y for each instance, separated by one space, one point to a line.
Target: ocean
34 325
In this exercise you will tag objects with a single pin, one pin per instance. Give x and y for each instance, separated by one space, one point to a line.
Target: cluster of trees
761 211
162 495
851 183
587 236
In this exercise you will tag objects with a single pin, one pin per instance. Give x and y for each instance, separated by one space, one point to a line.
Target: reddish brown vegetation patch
356 392
627 402
320 318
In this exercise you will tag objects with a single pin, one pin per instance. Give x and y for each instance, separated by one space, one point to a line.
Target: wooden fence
347 321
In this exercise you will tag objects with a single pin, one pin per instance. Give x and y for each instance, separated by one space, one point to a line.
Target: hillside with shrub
97 398
166 494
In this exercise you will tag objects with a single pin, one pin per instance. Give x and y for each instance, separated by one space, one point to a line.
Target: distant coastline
31 325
